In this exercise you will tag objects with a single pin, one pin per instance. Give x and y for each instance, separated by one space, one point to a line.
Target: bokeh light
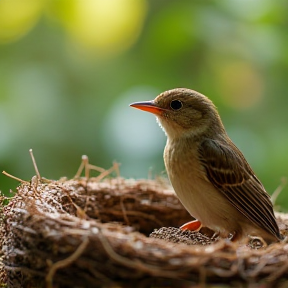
240 84
100 26
131 137
69 70
17 17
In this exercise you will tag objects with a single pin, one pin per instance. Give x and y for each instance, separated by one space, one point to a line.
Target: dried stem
105 173
14 177
278 190
34 164
83 165
65 262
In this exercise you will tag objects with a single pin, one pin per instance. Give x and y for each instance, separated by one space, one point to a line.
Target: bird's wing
230 173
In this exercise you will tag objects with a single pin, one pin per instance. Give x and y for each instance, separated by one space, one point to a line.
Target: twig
134 264
277 273
34 164
105 173
124 212
14 177
65 262
96 168
83 165
87 167
278 190
139 214
80 212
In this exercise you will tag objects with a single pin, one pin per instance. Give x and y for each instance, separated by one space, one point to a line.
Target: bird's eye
176 104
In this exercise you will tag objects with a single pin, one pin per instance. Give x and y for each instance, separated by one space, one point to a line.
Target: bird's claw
194 225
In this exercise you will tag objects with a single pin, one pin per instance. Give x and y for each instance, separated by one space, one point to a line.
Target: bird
209 174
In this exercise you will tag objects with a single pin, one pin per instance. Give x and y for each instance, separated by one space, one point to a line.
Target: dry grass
95 233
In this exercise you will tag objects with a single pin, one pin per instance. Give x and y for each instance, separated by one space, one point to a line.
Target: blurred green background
70 68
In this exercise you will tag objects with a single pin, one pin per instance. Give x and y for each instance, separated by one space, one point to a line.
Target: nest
118 232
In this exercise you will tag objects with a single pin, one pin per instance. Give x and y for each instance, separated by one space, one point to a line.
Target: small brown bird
208 172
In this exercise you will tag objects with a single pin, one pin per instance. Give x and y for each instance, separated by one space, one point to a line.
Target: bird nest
115 232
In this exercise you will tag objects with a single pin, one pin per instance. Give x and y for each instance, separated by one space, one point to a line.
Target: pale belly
203 202
200 198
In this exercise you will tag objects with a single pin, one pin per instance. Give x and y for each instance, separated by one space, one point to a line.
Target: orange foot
194 225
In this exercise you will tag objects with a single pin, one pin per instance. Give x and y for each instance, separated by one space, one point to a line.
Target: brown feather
207 171
230 173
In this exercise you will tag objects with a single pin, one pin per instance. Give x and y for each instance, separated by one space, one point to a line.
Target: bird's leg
194 225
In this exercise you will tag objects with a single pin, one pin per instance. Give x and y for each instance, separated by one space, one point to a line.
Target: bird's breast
186 174
182 163
188 178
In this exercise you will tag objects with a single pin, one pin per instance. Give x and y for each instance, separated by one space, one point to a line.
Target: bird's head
183 113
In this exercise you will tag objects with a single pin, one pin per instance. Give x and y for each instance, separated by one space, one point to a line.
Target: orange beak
148 106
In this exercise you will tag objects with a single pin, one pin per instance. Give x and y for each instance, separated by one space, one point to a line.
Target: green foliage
64 95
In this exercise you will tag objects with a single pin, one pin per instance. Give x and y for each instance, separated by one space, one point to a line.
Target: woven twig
86 233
